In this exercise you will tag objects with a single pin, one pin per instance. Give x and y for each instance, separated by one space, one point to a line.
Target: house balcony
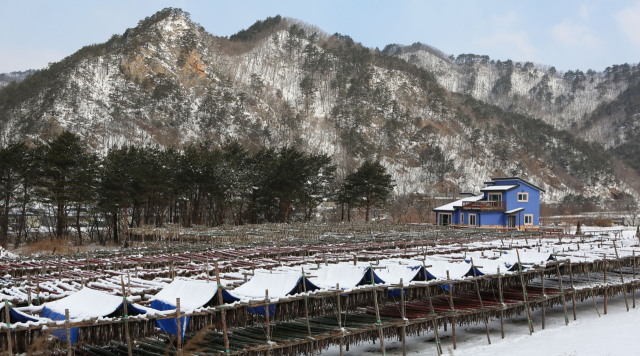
485 205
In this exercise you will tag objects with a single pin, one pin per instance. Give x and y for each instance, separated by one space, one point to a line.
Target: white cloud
516 45
629 21
571 34
585 11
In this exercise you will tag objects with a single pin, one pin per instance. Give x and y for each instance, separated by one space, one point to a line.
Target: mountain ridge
168 82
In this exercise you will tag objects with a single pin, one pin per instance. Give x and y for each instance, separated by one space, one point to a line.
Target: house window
495 196
461 218
445 219
528 219
472 219
523 197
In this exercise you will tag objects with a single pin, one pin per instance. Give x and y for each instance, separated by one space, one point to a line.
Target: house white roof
458 203
498 188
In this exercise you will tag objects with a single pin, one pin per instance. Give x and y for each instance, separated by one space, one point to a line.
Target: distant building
505 202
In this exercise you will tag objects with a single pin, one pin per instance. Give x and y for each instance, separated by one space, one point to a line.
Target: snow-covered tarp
83 305
396 270
192 294
279 285
526 257
347 276
437 269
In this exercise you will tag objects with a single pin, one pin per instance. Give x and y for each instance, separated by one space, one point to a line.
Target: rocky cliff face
436 124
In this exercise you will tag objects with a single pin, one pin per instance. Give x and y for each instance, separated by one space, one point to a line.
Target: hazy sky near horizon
565 34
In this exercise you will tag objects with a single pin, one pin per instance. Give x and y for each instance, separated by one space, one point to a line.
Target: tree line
200 184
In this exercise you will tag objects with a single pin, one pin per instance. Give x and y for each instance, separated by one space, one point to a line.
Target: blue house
504 202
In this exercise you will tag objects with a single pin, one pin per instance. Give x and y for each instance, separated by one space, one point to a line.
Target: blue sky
565 34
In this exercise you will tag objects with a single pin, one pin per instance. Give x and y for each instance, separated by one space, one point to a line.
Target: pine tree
367 187
9 184
64 161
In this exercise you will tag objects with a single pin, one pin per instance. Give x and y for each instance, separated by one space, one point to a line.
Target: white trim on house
526 197
440 218
528 216
490 194
475 220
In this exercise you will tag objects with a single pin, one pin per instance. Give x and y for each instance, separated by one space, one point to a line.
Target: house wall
490 218
530 207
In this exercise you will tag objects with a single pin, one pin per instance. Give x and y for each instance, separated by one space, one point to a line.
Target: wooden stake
624 287
564 304
524 292
573 299
453 318
38 288
435 323
544 301
635 283
266 313
7 319
592 295
339 317
179 325
379 322
306 308
501 303
68 332
484 315
404 327
606 288
223 314
126 316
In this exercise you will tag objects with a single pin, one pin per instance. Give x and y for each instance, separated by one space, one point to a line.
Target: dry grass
56 246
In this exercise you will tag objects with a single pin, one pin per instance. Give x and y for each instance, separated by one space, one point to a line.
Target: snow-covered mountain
169 82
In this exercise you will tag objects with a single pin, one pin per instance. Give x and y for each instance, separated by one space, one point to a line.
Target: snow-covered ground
613 334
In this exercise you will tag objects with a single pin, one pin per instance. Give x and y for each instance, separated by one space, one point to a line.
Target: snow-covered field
616 334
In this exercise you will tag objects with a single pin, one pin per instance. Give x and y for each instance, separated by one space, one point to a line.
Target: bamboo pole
223 315
524 292
453 318
435 323
484 315
7 319
126 316
564 304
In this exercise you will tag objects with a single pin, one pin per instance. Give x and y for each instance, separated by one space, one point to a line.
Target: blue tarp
60 334
367 278
16 316
169 325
